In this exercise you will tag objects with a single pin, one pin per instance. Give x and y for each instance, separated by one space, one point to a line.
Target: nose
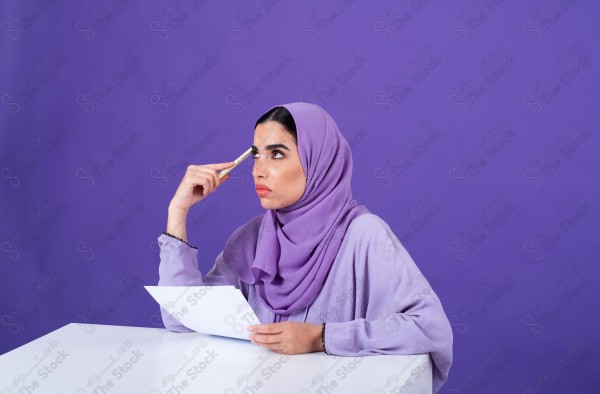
259 169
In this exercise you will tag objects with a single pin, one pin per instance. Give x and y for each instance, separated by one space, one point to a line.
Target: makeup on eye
274 151
272 148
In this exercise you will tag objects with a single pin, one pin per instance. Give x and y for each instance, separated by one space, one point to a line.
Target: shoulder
368 226
370 234
367 233
375 246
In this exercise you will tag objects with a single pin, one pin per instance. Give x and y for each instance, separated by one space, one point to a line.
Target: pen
237 161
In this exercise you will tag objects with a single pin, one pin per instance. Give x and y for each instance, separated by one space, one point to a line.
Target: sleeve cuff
179 239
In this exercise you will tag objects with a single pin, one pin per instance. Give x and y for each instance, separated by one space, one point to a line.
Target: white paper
216 310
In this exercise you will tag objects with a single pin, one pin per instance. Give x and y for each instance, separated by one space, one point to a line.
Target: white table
98 359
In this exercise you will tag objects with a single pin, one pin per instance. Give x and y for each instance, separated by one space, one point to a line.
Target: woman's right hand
197 183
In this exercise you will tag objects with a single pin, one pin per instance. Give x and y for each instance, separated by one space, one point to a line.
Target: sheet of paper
217 310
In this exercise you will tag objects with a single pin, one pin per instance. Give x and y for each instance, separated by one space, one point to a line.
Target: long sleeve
179 267
402 314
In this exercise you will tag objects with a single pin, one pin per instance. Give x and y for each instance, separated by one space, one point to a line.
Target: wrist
177 210
176 222
318 339
322 338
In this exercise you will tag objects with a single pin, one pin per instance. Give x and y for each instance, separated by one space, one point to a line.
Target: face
277 166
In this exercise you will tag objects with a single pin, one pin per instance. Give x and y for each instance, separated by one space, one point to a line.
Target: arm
179 267
179 260
403 314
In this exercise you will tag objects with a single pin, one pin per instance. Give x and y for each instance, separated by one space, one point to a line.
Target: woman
327 274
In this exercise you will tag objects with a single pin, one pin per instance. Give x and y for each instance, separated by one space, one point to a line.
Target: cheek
300 179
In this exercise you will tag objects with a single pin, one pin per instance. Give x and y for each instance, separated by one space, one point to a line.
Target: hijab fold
287 253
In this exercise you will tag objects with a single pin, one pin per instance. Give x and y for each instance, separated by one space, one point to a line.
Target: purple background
471 124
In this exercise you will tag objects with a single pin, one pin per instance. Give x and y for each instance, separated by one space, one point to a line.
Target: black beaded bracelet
172 236
323 338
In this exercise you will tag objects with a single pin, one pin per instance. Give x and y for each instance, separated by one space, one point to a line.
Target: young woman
323 272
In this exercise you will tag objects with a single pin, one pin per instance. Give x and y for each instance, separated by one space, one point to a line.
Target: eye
274 151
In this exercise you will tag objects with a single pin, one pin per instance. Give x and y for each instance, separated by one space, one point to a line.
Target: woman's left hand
288 337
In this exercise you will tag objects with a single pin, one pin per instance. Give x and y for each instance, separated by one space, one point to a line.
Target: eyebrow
271 147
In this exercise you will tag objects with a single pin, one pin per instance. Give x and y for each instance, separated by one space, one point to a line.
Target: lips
262 187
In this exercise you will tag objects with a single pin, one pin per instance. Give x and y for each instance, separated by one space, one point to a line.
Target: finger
196 174
202 180
212 176
266 338
220 166
212 170
225 177
272 346
265 345
272 328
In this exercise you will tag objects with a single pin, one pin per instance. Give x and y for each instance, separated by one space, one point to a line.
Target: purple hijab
289 263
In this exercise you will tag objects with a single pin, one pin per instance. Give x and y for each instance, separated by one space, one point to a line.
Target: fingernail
250 328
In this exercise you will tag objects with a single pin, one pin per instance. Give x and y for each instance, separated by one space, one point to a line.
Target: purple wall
471 125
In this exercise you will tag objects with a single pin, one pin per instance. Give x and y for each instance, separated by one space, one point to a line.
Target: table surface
90 358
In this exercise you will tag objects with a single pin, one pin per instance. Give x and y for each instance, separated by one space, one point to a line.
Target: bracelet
172 236
323 338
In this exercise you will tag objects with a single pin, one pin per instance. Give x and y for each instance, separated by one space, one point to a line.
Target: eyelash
273 151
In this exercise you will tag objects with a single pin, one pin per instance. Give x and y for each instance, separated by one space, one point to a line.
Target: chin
265 204
269 204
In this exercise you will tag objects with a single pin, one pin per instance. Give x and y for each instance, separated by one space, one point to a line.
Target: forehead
271 132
